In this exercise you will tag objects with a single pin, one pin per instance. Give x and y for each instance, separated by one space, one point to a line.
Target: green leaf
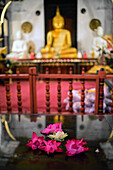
54 133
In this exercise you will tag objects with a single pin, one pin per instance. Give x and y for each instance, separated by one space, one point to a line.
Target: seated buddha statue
99 43
19 49
58 40
100 50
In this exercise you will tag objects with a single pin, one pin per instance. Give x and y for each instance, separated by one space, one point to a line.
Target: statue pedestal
53 55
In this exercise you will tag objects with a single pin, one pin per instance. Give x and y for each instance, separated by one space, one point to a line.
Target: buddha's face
58 23
100 31
18 35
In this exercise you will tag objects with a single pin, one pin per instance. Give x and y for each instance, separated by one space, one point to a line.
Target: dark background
68 9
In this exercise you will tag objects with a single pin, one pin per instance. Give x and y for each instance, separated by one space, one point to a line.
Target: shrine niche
59 40
68 9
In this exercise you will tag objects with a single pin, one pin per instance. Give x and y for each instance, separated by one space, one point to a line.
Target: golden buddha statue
59 40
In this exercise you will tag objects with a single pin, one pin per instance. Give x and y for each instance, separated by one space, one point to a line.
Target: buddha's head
19 35
100 31
58 20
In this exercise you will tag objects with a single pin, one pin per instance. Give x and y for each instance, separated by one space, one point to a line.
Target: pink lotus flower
51 146
75 147
35 142
53 128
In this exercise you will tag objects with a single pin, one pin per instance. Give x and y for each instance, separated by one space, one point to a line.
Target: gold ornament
26 27
94 23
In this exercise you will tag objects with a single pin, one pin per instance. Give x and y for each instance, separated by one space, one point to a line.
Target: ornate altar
53 64
59 40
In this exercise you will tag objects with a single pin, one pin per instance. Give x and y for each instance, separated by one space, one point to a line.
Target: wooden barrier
33 76
18 77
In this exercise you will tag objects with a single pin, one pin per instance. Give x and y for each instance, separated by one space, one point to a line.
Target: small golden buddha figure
59 40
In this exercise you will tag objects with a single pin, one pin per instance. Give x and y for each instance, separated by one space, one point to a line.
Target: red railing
33 76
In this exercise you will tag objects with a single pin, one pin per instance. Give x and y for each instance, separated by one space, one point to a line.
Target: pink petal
34 137
59 150
70 153
56 130
29 144
41 137
58 144
42 147
46 131
51 150
80 141
84 143
86 148
30 140
34 147
69 144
